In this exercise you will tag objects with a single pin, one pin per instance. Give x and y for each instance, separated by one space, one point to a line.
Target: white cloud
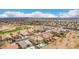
71 14
3 15
43 15
36 14
14 14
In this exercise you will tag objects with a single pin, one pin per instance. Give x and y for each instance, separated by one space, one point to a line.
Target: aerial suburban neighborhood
39 33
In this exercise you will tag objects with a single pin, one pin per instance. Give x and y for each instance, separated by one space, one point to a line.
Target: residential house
9 46
24 44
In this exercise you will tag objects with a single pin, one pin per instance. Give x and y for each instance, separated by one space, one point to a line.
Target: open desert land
70 41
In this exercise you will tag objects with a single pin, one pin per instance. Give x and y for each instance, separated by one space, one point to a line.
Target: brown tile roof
9 46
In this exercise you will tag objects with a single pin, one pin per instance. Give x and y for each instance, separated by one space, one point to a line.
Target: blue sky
53 11
46 13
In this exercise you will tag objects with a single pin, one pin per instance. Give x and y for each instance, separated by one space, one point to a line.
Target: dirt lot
69 42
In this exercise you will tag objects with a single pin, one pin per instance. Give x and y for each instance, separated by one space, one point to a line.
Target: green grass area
2 42
17 28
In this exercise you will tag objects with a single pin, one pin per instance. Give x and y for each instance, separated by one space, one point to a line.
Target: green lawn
2 42
17 28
